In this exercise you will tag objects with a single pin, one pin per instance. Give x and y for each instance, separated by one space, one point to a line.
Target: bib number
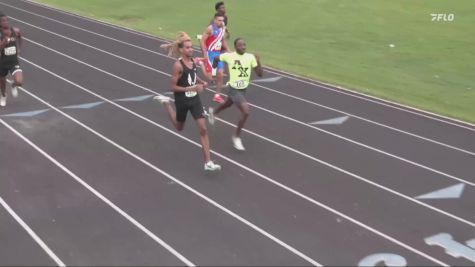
190 93
9 51
240 84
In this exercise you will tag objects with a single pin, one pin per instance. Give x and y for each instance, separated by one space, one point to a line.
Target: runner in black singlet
186 85
10 43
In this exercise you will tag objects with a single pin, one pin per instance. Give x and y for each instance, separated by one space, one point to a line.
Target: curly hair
173 48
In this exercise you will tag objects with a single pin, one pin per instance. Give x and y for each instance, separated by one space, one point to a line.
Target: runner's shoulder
177 65
16 30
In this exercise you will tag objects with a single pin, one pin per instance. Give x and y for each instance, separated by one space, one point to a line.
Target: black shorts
4 70
183 105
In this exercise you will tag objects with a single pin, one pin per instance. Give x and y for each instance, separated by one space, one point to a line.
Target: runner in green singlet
240 65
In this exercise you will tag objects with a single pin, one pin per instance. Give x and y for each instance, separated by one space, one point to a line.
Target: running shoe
237 143
211 115
162 99
3 101
218 98
15 91
211 166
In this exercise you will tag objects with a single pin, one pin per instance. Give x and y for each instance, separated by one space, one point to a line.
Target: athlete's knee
203 131
245 111
202 126
18 79
244 115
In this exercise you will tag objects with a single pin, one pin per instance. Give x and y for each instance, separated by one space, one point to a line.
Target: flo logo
442 17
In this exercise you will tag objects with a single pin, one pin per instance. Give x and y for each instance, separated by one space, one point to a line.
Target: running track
96 175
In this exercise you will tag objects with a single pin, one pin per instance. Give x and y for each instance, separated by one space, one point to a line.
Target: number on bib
240 84
190 93
9 51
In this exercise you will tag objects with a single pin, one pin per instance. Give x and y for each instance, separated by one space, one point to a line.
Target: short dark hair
218 5
218 15
237 40
2 15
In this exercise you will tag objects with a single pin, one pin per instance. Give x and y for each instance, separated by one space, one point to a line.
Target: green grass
344 42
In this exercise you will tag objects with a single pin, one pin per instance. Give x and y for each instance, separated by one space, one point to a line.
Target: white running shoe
3 101
205 112
211 166
15 91
162 99
237 143
211 115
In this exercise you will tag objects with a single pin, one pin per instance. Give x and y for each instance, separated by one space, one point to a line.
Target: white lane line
380 101
169 176
282 186
331 87
447 175
97 194
262 137
367 120
277 114
269 111
269 89
27 228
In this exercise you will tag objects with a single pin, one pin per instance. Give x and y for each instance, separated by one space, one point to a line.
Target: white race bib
240 84
190 93
219 45
9 51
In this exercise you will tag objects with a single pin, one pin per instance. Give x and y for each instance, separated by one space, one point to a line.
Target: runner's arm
225 45
258 69
215 62
205 36
200 81
20 39
4 40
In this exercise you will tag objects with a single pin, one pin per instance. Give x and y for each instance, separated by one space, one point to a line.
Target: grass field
344 42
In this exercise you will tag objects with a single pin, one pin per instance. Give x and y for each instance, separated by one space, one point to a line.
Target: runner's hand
258 58
200 61
4 41
199 88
